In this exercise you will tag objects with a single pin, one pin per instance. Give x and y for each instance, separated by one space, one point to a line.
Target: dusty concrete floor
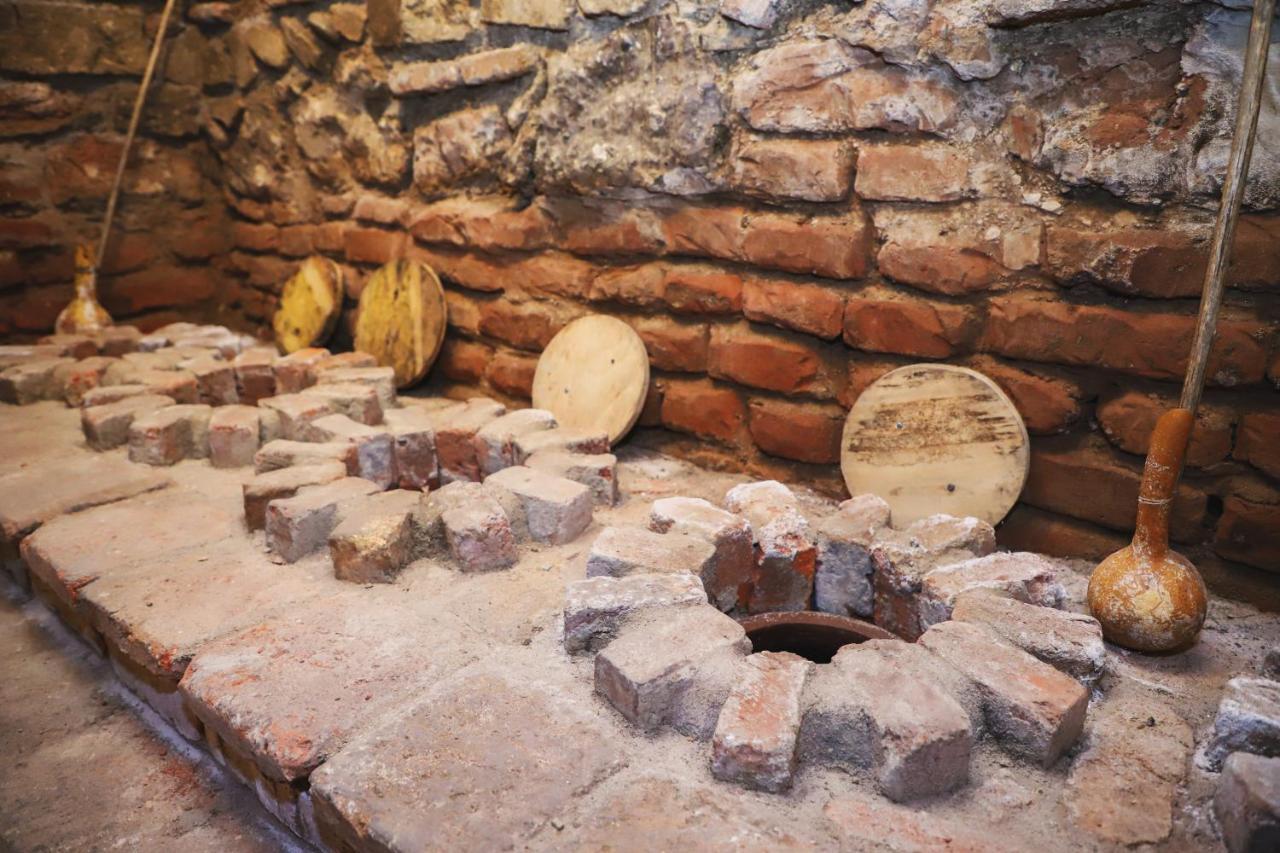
91 775
89 767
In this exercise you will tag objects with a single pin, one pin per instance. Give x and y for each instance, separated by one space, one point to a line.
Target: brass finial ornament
1147 597
84 314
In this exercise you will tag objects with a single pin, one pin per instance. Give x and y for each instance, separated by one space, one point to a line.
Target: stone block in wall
1249 532
805 432
1048 400
458 147
772 361
1256 441
800 307
782 169
541 14
825 86
1129 417
475 69
72 38
703 408
394 22
882 320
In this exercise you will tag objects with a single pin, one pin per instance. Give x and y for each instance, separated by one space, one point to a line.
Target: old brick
672 667
458 147
957 249
413 437
1247 803
1122 788
33 380
704 409
786 557
283 483
733 563
233 436
1248 720
464 361
864 712
255 375
595 608
82 377
299 525
541 14
1256 441
1019 575
755 738
1129 417
374 540
621 551
381 379
806 432
1089 481
296 413
1249 532
1033 709
489 66
760 14
1142 343
485 223
807 308
373 245
496 441
357 400
1026 528
842 580
456 438
215 381
770 361
1047 402
524 325
698 290
597 471
295 371
541 506
563 439
886 322
924 172
788 168
1069 642
478 532
107 425
282 453
673 345
169 435
375 457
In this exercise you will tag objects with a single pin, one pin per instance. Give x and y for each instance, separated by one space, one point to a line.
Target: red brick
1144 343
861 374
24 234
606 228
1162 261
524 325
512 373
639 286
940 269
1128 418
255 236
297 241
127 252
200 239
1249 533
702 408
157 287
464 361
1026 528
674 345
878 321
373 245
380 209
1258 441
924 172
769 361
330 236
1082 477
484 223
782 168
806 432
793 305
464 312
702 290
828 246
1048 402
266 271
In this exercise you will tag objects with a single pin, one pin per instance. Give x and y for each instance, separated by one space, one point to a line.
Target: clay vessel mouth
809 634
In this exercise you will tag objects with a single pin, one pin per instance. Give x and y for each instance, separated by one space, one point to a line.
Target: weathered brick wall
69 73
788 198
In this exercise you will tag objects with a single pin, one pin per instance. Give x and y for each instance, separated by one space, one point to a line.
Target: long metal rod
1255 74
133 131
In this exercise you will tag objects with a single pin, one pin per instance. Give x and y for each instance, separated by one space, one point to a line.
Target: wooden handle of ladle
1160 478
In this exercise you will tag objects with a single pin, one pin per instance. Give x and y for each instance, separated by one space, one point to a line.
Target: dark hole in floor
813 636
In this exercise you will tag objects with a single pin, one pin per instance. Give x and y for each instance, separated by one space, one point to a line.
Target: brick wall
68 77
786 199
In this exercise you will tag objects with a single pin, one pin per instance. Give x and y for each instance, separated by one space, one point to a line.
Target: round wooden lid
309 305
594 375
402 319
930 438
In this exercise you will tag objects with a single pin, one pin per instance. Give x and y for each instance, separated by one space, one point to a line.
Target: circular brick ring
992 655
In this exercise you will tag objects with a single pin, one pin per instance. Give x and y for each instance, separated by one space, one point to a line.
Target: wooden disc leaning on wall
594 375
932 438
309 305
402 319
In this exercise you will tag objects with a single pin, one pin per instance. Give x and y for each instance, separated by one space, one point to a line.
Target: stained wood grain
402 319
